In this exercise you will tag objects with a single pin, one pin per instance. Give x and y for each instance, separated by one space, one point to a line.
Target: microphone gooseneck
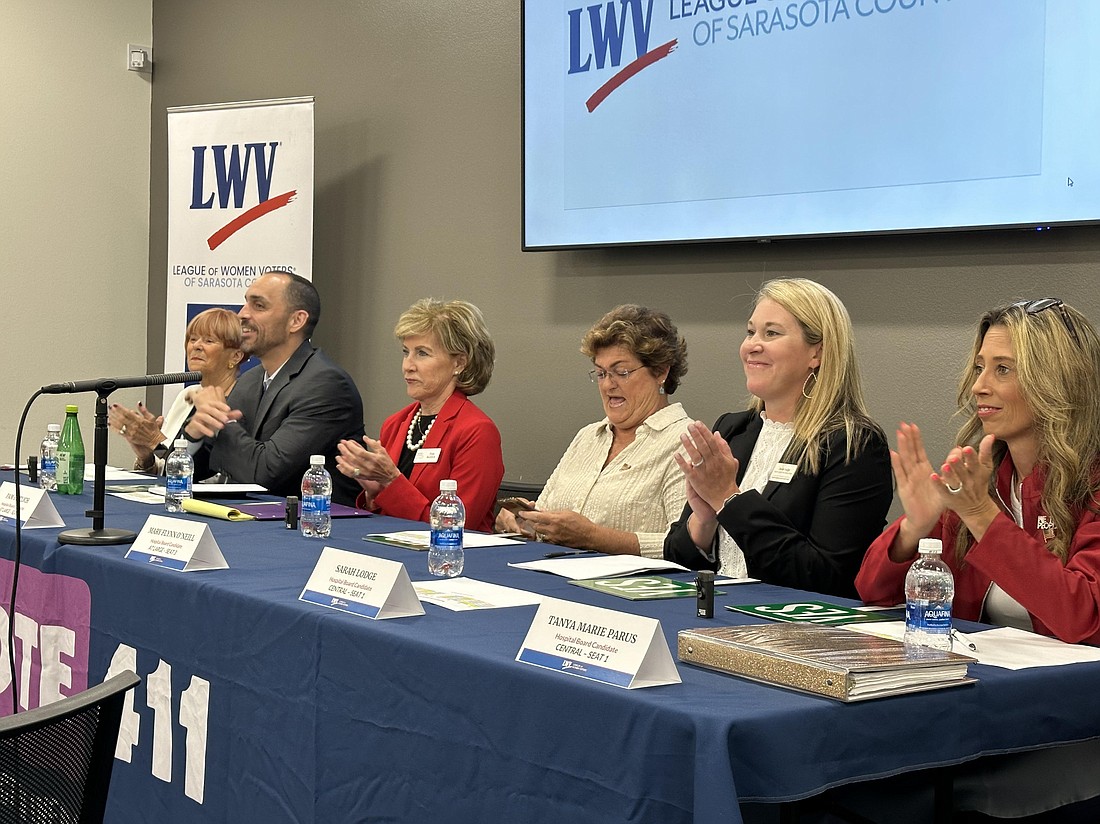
111 384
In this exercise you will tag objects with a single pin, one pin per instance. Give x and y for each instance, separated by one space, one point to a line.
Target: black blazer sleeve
308 409
810 533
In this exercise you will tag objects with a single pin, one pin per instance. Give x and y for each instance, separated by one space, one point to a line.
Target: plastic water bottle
47 457
448 516
70 455
929 590
179 470
316 499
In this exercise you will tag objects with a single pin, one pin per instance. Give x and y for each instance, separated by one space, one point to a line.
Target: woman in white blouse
616 488
793 490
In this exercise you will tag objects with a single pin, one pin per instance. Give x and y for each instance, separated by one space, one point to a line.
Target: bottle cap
448 486
180 443
316 460
72 408
930 545
53 427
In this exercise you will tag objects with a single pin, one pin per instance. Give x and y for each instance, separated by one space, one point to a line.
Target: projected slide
658 120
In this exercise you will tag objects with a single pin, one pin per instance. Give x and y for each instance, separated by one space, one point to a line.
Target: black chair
519 489
56 760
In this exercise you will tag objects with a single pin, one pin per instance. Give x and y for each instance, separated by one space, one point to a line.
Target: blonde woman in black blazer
795 489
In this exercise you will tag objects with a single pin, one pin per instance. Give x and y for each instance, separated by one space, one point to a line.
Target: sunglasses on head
1035 307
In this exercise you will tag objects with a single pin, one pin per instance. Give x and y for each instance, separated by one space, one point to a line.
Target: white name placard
35 507
177 544
599 644
361 585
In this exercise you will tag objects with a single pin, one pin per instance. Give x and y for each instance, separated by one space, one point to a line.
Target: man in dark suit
296 403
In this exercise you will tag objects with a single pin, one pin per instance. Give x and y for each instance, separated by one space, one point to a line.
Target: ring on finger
954 490
698 463
122 430
357 472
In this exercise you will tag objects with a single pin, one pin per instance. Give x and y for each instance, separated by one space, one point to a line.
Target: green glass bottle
70 456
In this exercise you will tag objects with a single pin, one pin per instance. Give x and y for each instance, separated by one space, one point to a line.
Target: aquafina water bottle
448 517
316 499
929 590
47 457
179 471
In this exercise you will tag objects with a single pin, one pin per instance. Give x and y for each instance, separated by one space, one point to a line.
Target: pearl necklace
413 425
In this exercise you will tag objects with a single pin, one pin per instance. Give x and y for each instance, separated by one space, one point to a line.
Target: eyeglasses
597 375
1035 307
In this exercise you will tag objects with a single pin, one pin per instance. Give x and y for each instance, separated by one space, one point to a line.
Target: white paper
421 539
140 496
113 473
598 644
35 507
599 566
1005 647
203 490
461 594
361 585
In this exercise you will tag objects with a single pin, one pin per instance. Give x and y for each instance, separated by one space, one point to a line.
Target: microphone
111 384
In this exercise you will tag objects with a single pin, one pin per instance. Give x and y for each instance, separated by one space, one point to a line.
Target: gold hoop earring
806 384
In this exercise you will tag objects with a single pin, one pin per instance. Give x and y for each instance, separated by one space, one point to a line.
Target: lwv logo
234 168
597 34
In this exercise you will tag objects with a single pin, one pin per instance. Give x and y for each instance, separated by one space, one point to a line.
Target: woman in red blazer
447 355
1017 501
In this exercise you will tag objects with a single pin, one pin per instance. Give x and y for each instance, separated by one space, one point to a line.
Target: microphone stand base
96 537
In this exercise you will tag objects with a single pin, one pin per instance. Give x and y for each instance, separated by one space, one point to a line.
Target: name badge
362 585
427 455
783 473
177 544
35 507
598 644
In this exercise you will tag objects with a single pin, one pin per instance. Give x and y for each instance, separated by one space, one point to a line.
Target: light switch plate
139 58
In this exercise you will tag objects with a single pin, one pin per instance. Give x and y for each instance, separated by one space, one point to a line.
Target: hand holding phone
517 505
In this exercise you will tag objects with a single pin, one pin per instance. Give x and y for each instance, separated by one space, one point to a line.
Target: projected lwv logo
597 34
232 170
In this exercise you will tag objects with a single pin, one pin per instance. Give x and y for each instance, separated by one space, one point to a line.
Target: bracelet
726 502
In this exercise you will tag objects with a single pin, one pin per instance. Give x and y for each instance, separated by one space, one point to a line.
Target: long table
257 707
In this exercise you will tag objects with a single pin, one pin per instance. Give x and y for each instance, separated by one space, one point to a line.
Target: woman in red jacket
1017 501
447 355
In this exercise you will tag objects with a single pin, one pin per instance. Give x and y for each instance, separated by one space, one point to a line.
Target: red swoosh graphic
240 221
627 72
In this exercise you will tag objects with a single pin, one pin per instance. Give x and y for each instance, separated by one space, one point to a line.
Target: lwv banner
240 203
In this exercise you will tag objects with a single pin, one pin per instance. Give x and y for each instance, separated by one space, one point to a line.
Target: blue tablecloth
314 715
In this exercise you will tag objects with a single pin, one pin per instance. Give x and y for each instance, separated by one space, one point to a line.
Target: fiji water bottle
448 517
929 590
316 499
179 470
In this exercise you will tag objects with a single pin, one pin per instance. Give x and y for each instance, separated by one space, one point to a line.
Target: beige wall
74 209
418 193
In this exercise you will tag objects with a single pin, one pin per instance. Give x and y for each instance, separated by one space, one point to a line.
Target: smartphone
516 505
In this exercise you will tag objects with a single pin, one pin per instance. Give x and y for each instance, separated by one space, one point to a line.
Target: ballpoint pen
958 636
568 554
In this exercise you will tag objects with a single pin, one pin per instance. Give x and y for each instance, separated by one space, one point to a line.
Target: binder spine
729 658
